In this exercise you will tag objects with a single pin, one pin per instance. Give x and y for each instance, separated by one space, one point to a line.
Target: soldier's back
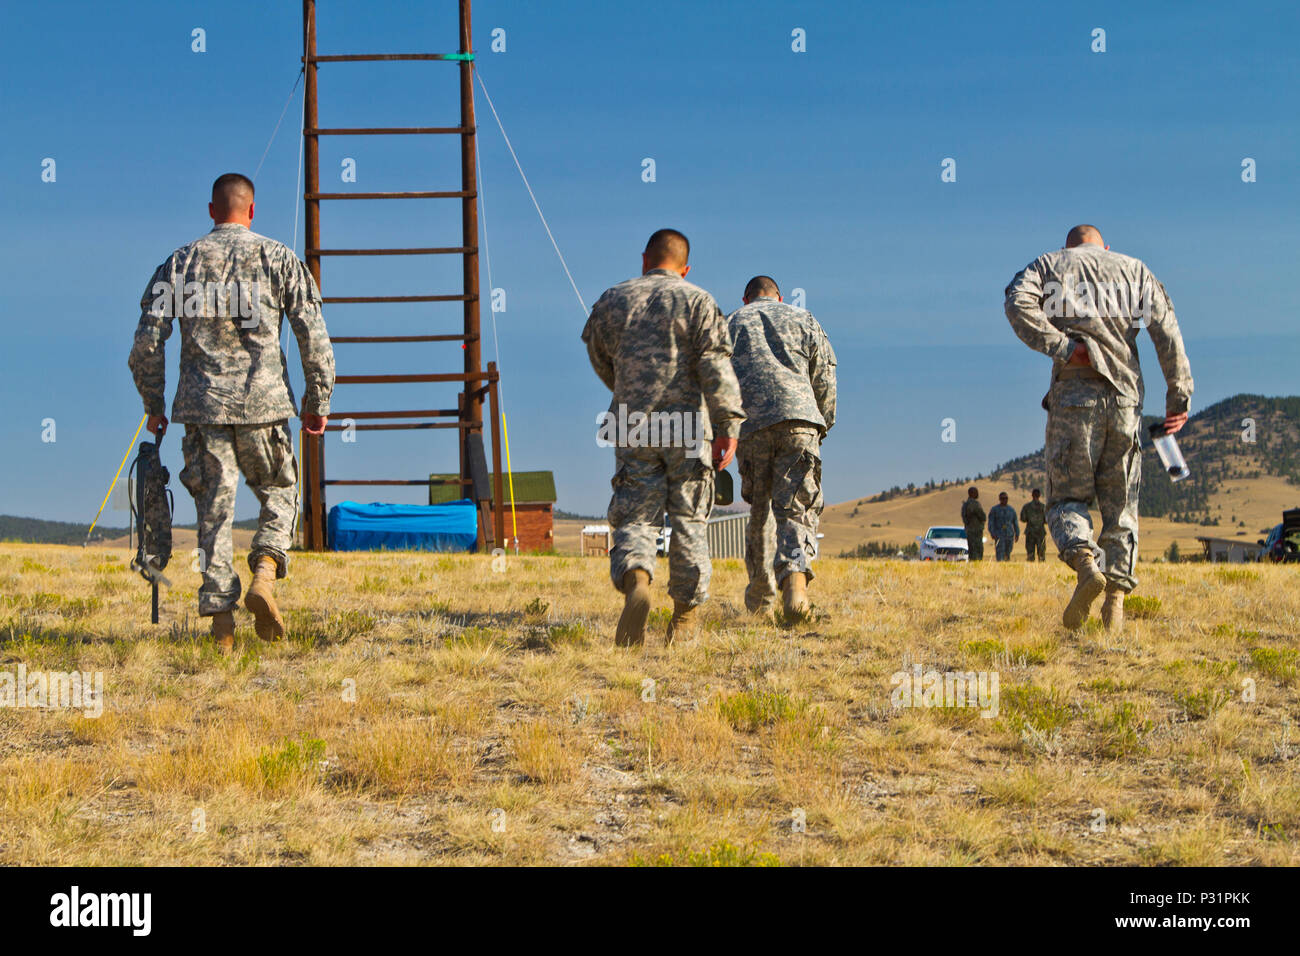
228 290
773 346
1103 298
649 326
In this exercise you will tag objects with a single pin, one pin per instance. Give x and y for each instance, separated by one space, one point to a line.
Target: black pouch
724 492
151 513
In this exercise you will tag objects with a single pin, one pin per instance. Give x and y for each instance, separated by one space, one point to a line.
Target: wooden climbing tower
478 383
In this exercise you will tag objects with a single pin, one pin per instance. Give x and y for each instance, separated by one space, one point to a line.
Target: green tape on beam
458 56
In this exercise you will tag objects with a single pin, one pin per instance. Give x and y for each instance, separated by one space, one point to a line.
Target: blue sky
820 168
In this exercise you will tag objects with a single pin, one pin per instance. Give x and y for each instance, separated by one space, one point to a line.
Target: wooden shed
1233 550
597 540
534 511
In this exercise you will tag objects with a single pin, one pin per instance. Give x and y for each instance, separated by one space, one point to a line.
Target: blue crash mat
377 527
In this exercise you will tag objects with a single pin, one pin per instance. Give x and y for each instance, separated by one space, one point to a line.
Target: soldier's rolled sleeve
822 375
601 361
148 361
1162 326
302 307
715 374
1023 304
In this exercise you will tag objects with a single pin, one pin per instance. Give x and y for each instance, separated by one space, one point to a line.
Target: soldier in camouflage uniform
1004 528
1083 306
972 519
660 344
229 289
786 369
1034 516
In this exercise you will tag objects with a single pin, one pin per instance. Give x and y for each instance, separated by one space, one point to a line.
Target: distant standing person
229 289
660 344
1083 306
786 369
1004 528
972 517
1034 517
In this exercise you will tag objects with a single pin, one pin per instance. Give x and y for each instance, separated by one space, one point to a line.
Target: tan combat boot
1091 583
794 594
636 608
223 632
683 623
261 601
1112 609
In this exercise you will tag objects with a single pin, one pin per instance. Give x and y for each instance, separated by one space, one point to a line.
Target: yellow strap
514 523
299 530
103 503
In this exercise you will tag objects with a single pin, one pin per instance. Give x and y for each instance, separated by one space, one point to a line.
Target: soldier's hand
157 425
724 449
1175 422
314 424
1080 355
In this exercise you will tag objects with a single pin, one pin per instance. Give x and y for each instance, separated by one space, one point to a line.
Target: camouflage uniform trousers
214 457
1036 544
780 478
1093 453
1002 547
975 542
647 482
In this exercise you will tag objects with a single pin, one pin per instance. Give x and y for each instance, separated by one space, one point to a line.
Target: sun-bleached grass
426 709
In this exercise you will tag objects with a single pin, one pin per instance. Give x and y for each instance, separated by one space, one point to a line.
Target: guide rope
113 484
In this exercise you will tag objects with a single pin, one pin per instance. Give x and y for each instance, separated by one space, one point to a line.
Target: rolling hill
40 531
1238 486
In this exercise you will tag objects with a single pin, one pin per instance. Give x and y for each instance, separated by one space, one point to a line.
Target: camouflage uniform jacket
1100 298
785 365
660 344
1034 515
1002 522
972 513
229 289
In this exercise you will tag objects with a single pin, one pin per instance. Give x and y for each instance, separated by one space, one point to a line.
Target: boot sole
266 622
1076 612
631 623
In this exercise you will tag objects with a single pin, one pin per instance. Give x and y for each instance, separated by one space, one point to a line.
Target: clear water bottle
1167 448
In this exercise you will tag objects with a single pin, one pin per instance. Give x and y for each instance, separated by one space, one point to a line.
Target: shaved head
232 194
759 286
667 248
1081 234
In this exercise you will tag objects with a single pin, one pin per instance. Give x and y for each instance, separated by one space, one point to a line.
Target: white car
944 543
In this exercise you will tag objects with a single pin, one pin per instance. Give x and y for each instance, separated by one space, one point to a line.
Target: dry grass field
1258 502
431 709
